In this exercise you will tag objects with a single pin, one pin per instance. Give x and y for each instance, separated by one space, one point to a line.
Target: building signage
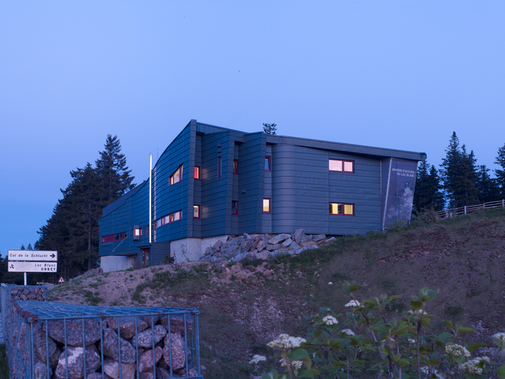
29 255
32 267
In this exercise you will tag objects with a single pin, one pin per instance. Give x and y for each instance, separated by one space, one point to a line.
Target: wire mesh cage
62 341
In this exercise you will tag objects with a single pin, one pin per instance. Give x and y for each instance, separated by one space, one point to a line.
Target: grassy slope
245 306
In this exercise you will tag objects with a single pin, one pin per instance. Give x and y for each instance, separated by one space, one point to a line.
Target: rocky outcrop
262 246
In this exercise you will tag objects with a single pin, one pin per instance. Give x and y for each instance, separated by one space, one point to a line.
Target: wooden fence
448 213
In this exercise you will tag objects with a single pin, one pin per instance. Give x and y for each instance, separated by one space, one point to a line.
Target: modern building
212 182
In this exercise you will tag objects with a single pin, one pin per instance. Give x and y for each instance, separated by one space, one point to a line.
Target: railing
467 209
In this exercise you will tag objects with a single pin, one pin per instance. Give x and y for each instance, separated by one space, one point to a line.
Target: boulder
111 368
298 235
278 238
111 348
126 325
145 338
177 324
75 363
287 243
174 351
146 359
74 331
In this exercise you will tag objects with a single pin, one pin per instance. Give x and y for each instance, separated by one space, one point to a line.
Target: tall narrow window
268 163
219 167
342 209
197 172
196 211
234 207
266 205
176 176
235 166
340 165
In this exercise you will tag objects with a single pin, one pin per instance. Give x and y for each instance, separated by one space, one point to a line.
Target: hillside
245 305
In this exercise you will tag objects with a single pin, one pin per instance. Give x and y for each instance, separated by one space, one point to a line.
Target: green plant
4 366
373 344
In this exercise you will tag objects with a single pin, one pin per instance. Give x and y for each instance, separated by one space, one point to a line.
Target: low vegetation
246 305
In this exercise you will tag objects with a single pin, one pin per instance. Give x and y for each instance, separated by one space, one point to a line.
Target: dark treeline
459 181
72 229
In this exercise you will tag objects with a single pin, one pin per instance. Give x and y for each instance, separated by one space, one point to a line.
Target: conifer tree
500 172
458 174
487 186
428 193
269 128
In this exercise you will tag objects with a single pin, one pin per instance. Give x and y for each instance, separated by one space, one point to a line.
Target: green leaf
466 330
416 305
449 323
307 362
298 354
444 337
476 346
307 374
501 372
270 375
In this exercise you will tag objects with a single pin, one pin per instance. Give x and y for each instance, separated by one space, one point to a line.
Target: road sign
32 266
61 280
29 255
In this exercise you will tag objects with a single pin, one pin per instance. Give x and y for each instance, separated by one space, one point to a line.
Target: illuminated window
137 233
172 217
176 176
235 166
266 205
219 167
268 163
342 209
196 211
114 237
197 172
234 207
340 165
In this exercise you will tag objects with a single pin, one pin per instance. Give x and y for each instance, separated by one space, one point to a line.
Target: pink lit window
196 211
235 166
340 165
176 176
197 172
266 205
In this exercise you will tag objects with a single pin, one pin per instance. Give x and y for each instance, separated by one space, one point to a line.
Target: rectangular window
342 209
219 167
172 217
266 205
268 163
197 172
340 165
235 166
234 207
176 176
114 237
196 211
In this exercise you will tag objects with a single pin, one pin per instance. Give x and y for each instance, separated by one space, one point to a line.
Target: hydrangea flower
418 312
285 341
330 320
348 332
297 365
472 365
256 359
500 336
411 340
457 350
353 303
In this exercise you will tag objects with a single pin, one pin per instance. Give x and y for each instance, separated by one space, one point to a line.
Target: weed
91 298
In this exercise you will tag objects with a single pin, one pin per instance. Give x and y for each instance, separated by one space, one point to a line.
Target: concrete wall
117 263
192 249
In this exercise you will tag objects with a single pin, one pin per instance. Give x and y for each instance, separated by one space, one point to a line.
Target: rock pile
121 353
262 246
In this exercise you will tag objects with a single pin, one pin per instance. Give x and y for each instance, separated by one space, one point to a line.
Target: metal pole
25 278
150 194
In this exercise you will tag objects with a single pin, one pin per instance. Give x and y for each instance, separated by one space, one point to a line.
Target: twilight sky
391 73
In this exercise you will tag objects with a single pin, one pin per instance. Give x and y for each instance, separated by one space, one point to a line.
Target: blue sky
392 73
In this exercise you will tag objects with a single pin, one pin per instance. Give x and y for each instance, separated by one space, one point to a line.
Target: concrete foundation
117 263
192 249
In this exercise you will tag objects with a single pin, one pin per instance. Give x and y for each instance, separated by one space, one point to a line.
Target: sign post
32 261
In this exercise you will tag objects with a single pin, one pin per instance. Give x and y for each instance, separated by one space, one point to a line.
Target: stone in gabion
76 363
147 319
40 371
39 343
74 332
146 359
111 348
97 375
174 351
111 368
162 373
126 326
177 324
145 338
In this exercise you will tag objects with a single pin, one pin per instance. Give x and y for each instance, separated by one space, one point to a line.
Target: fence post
465 209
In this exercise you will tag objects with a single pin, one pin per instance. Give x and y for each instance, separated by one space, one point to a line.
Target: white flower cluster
471 365
256 359
296 364
457 350
500 336
425 370
353 303
348 332
330 320
418 312
286 342
411 340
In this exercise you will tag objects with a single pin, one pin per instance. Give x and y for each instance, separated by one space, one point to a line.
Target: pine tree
113 172
458 174
500 172
428 192
487 186
269 128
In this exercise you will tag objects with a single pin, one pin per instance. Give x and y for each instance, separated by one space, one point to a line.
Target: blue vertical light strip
387 195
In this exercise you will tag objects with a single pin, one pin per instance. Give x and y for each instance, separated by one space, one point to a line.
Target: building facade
212 182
